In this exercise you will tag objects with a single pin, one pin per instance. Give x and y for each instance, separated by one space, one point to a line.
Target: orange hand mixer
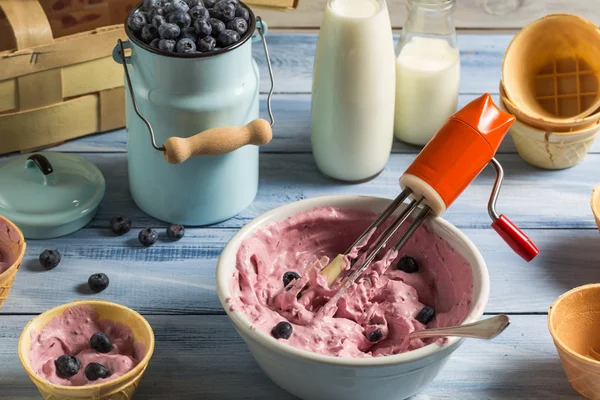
457 153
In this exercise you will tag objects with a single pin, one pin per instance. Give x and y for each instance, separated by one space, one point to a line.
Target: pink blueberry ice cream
7 235
381 308
70 334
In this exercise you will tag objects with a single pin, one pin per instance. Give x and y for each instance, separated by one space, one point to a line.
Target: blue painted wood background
198 353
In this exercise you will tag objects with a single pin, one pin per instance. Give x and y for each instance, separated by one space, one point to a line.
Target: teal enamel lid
49 195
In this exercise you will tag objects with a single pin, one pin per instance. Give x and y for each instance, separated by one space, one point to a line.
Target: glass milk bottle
352 116
427 71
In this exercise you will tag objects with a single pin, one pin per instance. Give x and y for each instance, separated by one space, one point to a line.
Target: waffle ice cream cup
552 150
574 323
122 388
596 204
551 69
11 240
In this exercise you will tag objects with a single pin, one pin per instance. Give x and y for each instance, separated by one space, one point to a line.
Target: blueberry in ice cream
67 366
288 277
95 371
175 232
101 342
282 330
148 236
206 44
62 353
408 264
50 259
167 44
120 225
98 282
379 310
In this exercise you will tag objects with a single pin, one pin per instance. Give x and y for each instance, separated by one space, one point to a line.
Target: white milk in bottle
427 71
352 113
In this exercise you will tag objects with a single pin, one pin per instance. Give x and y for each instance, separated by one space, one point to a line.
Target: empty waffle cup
121 388
579 124
574 323
551 69
551 150
12 242
596 204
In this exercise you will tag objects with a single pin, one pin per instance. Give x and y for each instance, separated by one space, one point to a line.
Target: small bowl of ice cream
12 250
360 349
87 350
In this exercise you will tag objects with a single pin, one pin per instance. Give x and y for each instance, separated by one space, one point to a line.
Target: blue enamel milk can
193 127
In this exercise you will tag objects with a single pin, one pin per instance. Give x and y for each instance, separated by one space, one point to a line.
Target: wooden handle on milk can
216 141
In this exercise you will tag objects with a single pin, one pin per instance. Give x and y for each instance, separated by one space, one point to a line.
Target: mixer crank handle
216 141
512 235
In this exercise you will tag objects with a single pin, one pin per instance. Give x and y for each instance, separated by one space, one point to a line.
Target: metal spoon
484 329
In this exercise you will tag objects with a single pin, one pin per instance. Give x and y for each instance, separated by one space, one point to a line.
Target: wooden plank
112 109
470 14
38 90
178 272
91 76
285 178
8 95
291 132
519 364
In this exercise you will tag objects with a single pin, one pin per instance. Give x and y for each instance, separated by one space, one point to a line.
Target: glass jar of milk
352 111
427 71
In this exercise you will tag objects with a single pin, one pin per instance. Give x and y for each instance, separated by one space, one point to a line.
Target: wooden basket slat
91 76
8 95
39 90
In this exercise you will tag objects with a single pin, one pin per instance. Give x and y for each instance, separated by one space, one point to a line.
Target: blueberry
207 44
177 5
202 27
243 12
148 236
282 330
217 27
67 366
180 18
148 4
235 3
154 12
101 342
223 10
189 33
194 3
95 371
50 259
425 315
209 3
120 225
199 12
185 46
174 231
227 38
408 265
149 33
289 276
167 44
98 282
158 20
137 21
375 336
169 31
154 43
238 24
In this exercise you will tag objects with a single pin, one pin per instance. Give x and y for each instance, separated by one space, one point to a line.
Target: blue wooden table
199 355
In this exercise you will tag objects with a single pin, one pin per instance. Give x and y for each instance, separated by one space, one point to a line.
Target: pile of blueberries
190 26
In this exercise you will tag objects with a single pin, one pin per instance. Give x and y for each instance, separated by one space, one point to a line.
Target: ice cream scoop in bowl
68 330
307 368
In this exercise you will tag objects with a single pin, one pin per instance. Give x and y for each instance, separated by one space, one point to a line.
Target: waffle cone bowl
574 323
550 149
12 241
551 69
596 204
122 388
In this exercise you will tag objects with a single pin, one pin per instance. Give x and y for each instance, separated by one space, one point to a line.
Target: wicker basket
52 90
